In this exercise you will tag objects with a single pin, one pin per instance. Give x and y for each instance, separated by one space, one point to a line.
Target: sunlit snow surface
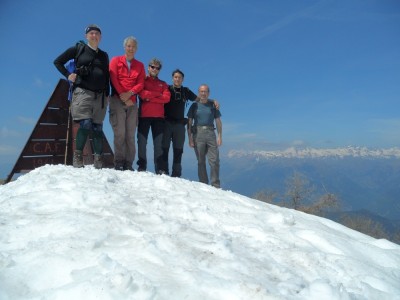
70 233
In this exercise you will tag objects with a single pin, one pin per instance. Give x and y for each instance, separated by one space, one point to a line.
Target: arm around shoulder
216 104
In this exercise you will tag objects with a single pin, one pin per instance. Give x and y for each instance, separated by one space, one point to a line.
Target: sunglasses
154 67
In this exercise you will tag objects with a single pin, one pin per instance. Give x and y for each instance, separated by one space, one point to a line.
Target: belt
96 92
93 91
176 121
205 127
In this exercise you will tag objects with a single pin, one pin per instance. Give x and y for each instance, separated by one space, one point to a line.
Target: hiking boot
128 166
98 161
119 166
77 161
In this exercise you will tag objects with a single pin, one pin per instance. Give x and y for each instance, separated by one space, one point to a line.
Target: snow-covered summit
70 233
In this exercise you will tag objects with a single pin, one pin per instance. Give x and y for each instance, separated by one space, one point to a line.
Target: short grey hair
206 85
130 38
155 61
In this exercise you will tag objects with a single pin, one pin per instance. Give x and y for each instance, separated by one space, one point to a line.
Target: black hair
178 71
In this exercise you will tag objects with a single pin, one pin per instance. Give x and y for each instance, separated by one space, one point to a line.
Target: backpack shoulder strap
195 106
80 46
184 93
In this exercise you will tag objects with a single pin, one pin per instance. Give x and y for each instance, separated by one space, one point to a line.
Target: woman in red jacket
151 115
127 80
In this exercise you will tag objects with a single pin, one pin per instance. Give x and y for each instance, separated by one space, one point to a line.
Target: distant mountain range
362 178
293 152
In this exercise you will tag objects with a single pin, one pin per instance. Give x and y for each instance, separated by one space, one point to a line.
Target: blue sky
287 72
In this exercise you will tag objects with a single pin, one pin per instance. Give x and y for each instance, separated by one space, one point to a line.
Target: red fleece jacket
124 79
153 97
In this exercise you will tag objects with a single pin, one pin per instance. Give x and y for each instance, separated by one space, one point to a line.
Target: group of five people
139 102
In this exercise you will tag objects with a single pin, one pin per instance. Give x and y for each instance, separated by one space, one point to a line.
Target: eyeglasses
154 67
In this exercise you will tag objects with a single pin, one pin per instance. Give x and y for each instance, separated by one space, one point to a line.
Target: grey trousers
123 120
205 145
88 105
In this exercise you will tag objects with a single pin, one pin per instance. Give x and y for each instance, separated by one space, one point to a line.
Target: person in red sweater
127 79
151 115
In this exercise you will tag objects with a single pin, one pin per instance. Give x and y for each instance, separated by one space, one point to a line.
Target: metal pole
67 138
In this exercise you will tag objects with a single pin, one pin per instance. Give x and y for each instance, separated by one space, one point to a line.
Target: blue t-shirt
203 114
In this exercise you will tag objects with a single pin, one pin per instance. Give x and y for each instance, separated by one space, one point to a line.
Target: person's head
204 92
177 78
93 35
130 46
154 67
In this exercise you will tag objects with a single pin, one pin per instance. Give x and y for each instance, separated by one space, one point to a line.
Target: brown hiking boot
78 159
98 161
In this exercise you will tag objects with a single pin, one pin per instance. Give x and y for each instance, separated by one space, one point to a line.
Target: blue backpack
71 66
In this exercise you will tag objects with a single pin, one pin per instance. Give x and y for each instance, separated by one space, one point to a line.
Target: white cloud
287 20
25 120
8 133
7 150
298 143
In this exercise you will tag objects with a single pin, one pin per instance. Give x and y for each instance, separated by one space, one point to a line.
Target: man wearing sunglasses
151 115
